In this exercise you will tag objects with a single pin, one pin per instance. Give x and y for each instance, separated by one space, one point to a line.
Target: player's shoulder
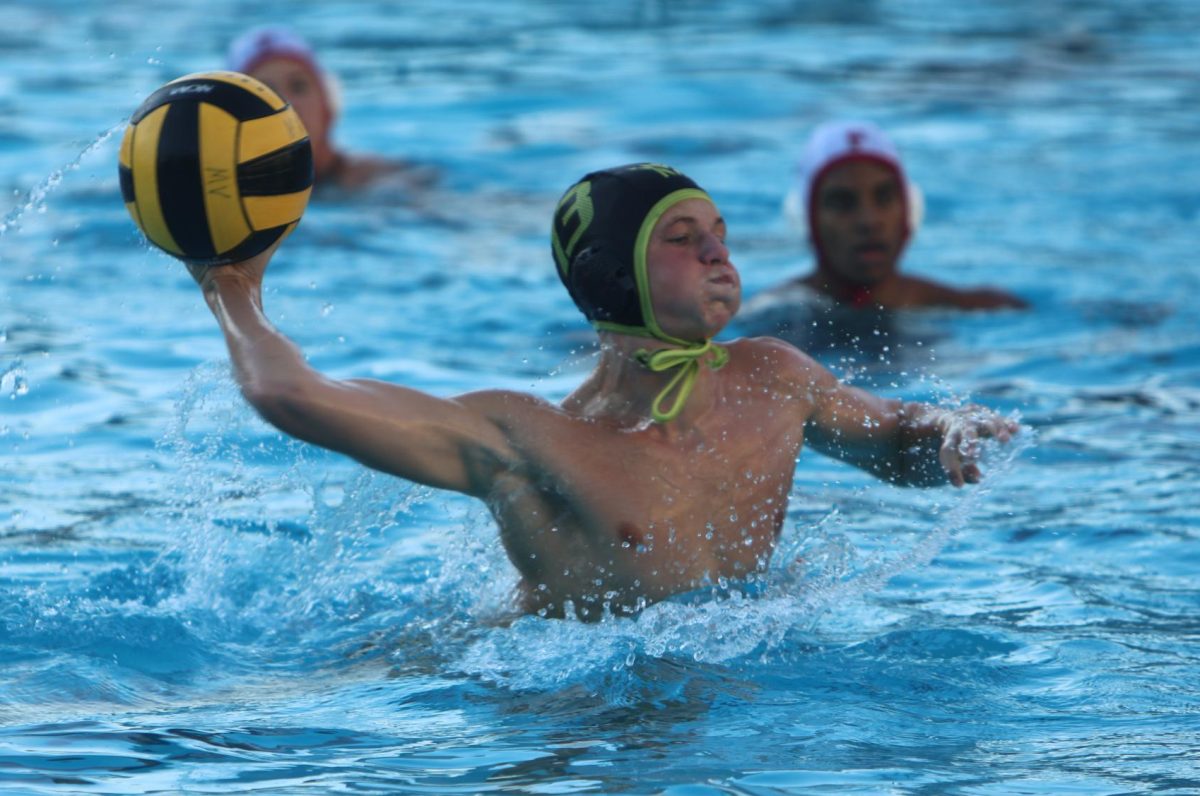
776 360
767 349
507 405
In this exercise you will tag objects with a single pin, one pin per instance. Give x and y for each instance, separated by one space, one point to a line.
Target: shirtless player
672 463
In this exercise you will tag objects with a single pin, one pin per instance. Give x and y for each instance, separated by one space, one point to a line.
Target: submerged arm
449 444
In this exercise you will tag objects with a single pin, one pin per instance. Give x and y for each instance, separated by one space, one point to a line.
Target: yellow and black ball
215 167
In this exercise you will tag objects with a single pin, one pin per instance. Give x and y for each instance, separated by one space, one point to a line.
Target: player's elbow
287 404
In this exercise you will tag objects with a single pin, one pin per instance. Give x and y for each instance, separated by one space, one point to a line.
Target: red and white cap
832 144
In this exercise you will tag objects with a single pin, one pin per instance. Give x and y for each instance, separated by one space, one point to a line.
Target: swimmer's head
601 232
846 162
600 239
284 61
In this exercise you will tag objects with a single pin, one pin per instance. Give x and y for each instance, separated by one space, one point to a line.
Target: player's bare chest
649 473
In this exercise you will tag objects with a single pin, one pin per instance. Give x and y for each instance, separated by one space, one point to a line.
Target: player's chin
721 311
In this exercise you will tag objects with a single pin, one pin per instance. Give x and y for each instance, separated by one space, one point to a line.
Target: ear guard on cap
603 286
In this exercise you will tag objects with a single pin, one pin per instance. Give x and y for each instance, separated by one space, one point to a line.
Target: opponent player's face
695 289
302 89
860 221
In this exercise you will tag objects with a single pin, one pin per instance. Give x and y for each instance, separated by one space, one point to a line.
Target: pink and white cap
832 144
276 41
271 41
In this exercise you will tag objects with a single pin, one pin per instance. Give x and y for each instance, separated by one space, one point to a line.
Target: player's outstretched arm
444 443
906 443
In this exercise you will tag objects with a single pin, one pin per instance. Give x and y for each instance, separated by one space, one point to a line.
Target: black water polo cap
602 226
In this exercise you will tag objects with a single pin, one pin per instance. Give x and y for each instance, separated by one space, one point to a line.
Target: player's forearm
895 441
920 429
265 362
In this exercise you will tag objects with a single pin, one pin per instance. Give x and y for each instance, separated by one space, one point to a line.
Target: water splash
36 198
829 584
275 539
13 383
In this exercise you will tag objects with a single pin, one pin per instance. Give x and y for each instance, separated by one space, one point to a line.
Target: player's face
296 83
859 221
696 290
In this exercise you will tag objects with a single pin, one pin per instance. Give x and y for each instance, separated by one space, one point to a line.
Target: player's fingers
968 443
951 459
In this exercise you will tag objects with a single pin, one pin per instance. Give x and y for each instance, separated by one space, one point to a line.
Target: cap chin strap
684 355
687 360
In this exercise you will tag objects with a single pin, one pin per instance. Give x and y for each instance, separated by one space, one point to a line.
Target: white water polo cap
832 144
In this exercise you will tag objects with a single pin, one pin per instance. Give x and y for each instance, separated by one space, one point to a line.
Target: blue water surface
192 603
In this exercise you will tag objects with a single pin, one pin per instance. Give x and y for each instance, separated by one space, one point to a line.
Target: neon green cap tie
687 360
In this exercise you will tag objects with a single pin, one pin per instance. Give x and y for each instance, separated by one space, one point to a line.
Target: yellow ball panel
125 156
268 134
227 225
266 212
145 181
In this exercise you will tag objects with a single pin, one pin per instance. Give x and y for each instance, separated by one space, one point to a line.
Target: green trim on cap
686 355
642 243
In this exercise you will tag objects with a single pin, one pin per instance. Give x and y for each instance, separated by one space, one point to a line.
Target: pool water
190 602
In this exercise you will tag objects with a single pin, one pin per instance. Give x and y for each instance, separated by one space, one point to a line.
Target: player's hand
962 432
250 270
